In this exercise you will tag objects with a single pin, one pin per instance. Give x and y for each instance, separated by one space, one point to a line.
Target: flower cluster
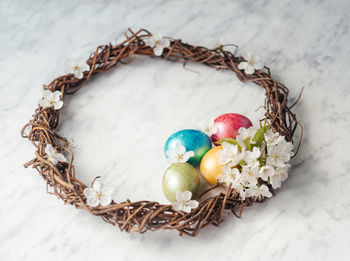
256 157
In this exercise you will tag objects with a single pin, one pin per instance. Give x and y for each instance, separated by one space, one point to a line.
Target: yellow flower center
276 156
157 42
99 195
51 102
179 157
76 68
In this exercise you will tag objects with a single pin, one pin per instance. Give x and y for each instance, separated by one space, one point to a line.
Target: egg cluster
228 150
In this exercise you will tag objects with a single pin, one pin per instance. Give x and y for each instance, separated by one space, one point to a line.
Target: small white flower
208 127
251 157
280 175
250 173
51 99
251 64
179 155
98 194
258 192
76 67
183 202
244 134
277 156
53 155
273 138
240 190
286 147
158 43
229 176
266 172
230 153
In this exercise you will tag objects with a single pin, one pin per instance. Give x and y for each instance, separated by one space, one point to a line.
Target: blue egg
192 140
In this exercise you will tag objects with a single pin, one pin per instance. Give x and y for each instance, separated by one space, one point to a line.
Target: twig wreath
263 152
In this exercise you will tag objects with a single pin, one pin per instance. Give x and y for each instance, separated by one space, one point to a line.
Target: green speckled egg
180 177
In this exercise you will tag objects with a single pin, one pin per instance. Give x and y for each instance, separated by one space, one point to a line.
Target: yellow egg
210 167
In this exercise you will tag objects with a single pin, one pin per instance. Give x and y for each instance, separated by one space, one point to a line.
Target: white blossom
281 174
258 192
229 176
250 173
266 172
76 67
251 157
273 138
183 202
51 99
208 127
179 155
251 63
158 43
277 156
98 194
244 133
53 155
230 153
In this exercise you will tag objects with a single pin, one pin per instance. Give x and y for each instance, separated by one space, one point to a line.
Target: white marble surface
127 114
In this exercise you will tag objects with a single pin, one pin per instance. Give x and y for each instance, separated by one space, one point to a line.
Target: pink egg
228 125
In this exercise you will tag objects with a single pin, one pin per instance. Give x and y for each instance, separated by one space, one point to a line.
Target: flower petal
149 41
78 74
249 69
83 66
49 149
105 200
58 105
60 157
56 95
44 103
158 50
165 43
193 204
187 155
97 186
48 94
186 209
186 195
93 201
53 160
89 192
242 65
178 196
176 206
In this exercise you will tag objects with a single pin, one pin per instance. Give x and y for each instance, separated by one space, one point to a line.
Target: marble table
120 121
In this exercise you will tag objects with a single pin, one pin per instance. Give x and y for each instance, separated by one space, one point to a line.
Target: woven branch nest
146 215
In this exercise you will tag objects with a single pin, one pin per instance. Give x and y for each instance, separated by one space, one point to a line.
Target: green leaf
229 140
259 135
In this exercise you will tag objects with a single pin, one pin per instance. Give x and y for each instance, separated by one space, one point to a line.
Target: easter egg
210 167
228 125
192 140
180 177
